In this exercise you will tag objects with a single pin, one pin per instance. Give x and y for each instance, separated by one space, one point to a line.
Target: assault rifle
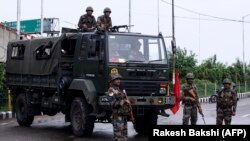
117 27
131 114
193 94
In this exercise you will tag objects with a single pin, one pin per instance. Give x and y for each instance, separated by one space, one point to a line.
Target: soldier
87 22
135 53
190 100
120 106
104 22
226 104
235 90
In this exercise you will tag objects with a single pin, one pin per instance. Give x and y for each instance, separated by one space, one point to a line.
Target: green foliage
3 90
210 69
210 72
2 77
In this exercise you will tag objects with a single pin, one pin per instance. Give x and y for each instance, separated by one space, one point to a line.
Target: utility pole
173 42
129 28
158 14
18 27
243 43
41 17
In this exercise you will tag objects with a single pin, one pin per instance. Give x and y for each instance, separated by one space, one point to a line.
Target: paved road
54 128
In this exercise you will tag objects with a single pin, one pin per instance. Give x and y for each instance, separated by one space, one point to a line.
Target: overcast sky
205 37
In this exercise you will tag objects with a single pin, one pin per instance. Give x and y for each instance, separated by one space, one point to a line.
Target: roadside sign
27 26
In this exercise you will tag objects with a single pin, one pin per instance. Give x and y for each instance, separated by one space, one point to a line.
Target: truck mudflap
105 101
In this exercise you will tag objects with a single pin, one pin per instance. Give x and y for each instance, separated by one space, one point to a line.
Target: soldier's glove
84 26
192 99
126 102
233 113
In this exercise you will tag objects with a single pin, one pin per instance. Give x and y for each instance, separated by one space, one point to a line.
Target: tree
185 62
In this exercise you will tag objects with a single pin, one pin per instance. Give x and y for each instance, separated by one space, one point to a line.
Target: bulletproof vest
225 99
105 22
119 95
187 93
88 20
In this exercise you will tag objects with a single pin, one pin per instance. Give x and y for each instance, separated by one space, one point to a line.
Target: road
54 128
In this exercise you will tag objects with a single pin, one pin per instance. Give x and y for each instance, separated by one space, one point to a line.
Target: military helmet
115 76
107 10
226 81
89 8
190 76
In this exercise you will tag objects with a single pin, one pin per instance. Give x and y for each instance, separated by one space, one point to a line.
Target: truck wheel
82 124
139 125
213 98
21 105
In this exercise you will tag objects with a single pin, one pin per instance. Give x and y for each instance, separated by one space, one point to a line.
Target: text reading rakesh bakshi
212 132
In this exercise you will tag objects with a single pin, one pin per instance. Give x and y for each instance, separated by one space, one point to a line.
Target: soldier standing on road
226 104
87 22
104 22
120 107
190 100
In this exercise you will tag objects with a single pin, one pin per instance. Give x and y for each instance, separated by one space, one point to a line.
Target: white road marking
246 115
2 124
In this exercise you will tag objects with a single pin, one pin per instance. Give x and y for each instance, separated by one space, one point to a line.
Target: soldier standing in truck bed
87 22
190 100
104 22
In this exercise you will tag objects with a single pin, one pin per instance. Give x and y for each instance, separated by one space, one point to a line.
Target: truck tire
213 98
82 124
22 116
139 125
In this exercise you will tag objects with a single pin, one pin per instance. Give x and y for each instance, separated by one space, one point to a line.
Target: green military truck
70 74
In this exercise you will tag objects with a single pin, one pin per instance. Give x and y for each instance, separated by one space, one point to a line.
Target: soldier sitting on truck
87 21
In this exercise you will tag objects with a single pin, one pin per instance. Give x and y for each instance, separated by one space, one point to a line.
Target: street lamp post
18 18
243 43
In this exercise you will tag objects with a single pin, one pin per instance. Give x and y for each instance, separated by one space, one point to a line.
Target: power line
202 14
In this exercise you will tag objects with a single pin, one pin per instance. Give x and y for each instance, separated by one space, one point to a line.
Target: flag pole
173 42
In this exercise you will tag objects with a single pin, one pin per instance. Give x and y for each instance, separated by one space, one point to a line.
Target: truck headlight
163 91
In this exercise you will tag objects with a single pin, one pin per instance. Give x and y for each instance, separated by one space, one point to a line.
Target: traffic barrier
6 115
212 99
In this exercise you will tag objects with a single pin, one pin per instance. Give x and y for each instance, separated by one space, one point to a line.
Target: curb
240 96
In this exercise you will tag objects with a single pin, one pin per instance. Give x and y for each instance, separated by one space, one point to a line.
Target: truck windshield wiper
134 61
154 60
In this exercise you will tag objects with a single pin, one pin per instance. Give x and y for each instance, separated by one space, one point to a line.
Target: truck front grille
138 88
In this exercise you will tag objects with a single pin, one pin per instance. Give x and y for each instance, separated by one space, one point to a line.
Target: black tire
143 123
213 98
22 116
82 124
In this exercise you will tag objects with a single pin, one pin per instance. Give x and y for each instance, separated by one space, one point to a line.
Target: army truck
70 74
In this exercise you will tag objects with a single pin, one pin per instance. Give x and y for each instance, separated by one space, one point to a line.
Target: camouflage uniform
104 23
87 23
119 113
226 105
190 107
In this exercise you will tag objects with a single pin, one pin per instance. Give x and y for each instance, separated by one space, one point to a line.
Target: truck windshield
136 49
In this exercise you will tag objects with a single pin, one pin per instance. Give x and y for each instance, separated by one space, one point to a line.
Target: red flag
176 90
